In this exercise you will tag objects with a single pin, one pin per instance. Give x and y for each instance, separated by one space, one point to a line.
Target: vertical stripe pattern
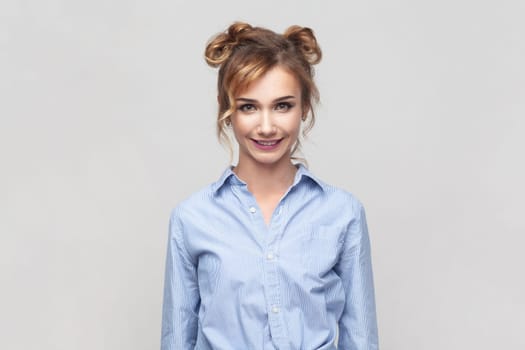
302 282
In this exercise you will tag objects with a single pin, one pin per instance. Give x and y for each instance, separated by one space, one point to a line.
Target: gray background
107 122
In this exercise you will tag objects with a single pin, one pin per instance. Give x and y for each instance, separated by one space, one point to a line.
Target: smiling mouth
267 143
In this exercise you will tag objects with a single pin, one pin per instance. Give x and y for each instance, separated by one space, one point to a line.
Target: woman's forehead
275 83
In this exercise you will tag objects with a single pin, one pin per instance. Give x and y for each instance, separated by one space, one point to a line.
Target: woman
269 256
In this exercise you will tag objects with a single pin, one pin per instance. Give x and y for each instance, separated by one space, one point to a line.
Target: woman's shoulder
336 194
344 198
202 200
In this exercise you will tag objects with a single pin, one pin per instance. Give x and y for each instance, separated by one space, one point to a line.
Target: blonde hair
244 53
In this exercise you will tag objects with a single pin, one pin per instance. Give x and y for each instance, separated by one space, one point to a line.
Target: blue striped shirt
304 281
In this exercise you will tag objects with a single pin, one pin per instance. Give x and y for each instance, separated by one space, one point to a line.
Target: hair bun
220 47
304 39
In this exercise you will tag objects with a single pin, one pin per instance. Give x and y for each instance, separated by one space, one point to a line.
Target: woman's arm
181 294
357 325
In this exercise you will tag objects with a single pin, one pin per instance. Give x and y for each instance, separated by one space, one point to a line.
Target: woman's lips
266 145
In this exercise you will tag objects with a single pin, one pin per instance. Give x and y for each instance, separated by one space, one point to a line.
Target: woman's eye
283 106
247 108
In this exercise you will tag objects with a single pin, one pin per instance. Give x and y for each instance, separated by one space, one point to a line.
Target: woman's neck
269 180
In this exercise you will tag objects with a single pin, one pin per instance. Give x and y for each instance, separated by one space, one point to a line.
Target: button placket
272 286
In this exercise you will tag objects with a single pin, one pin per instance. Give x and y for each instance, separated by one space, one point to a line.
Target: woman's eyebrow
244 99
251 100
283 98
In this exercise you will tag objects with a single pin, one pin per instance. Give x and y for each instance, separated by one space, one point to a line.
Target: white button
275 309
270 256
253 210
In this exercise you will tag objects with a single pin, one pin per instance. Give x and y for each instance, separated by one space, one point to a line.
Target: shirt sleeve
358 324
181 294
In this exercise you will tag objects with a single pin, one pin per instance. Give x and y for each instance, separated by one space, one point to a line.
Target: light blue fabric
232 282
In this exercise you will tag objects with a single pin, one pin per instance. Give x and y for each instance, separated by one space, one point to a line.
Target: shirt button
270 256
275 310
253 210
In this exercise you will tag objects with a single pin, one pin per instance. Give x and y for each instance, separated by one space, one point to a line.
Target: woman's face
267 119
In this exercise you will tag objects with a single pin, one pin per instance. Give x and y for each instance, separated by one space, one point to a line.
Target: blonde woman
269 256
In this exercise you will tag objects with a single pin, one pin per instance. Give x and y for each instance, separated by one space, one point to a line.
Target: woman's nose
266 124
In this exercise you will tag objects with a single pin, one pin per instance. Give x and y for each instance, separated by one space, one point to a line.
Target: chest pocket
321 248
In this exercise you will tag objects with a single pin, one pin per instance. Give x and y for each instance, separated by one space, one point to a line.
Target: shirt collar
225 178
229 177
